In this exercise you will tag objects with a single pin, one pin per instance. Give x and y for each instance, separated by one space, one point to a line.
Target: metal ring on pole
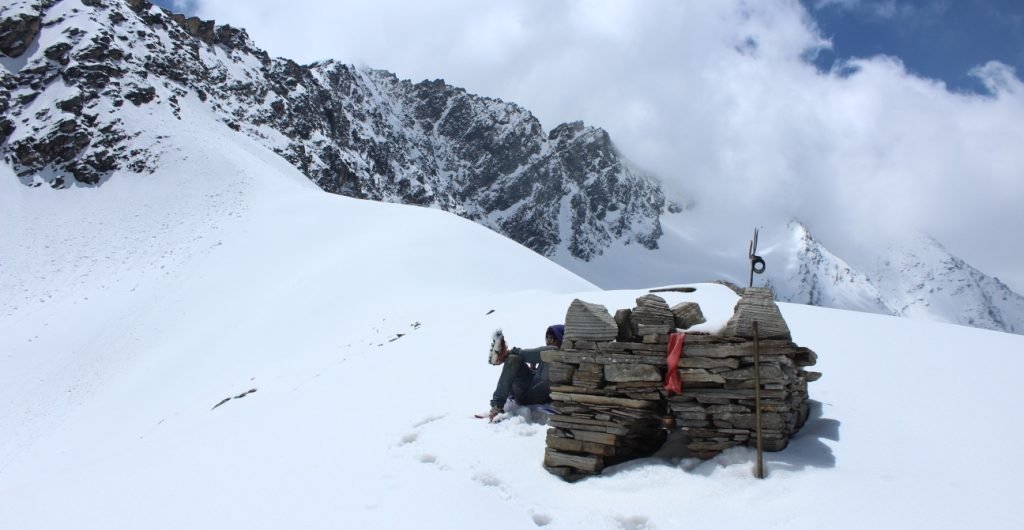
757 264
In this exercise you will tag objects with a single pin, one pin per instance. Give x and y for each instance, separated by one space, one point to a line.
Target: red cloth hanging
675 350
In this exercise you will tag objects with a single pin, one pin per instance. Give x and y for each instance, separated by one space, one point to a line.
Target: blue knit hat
558 331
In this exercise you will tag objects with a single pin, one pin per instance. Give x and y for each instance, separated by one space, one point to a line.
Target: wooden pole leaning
759 471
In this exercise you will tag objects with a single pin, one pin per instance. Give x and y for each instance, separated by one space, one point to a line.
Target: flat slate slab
589 322
619 373
592 464
653 310
590 399
757 303
688 314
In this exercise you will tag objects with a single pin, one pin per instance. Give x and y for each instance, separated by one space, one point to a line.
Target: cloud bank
719 100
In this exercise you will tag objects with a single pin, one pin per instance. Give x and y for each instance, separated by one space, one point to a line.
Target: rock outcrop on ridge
72 69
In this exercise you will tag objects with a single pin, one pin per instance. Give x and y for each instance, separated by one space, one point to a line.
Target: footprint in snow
413 436
428 458
636 522
541 519
487 479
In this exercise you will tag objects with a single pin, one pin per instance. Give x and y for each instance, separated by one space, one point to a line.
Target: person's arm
532 355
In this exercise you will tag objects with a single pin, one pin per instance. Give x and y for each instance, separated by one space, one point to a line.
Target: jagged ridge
358 132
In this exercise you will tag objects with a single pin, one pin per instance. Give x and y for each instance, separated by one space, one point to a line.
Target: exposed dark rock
141 95
6 128
72 105
58 52
91 76
62 145
91 169
18 33
200 29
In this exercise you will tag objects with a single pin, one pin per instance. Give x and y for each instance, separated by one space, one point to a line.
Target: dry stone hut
608 383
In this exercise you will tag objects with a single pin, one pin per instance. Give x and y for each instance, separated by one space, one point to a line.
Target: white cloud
715 98
844 4
997 77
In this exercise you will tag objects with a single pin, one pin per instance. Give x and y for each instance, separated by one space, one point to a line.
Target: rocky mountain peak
358 132
811 274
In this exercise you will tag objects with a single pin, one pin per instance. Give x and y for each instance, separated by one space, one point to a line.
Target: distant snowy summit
810 274
84 80
916 278
922 279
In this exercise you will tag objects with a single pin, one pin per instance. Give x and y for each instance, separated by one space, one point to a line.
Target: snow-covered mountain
86 80
922 279
916 278
810 274
355 131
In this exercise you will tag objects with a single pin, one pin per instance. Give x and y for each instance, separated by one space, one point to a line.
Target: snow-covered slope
350 337
82 77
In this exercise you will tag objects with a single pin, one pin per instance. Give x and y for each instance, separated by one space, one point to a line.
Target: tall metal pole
759 473
757 265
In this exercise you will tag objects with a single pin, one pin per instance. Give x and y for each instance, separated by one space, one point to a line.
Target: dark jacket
527 385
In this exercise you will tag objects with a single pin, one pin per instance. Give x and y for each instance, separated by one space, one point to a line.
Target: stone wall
608 383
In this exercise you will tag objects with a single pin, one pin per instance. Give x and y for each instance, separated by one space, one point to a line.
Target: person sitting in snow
524 376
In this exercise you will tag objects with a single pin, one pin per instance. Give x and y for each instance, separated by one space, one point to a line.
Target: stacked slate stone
716 406
607 383
652 320
607 393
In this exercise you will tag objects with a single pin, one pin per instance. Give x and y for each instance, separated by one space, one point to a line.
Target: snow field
131 312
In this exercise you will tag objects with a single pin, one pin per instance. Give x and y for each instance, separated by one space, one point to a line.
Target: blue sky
939 39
